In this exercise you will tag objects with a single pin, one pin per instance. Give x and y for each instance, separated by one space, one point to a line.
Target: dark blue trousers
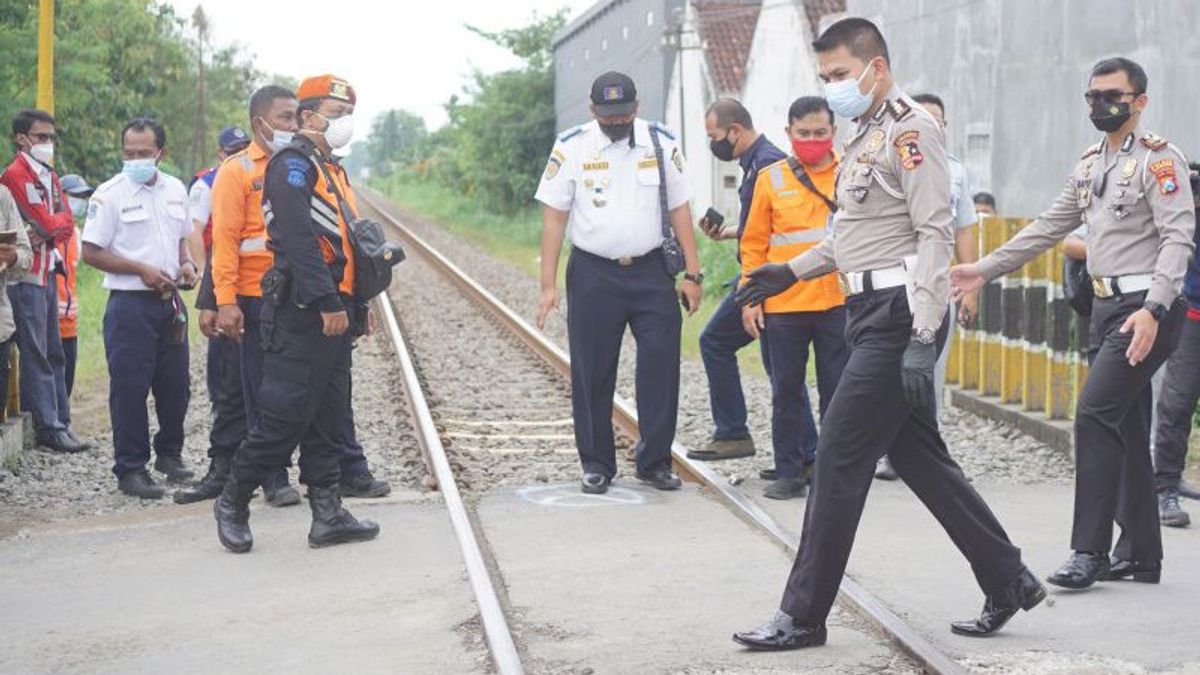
793 432
71 356
353 459
720 341
143 357
224 368
603 297
42 364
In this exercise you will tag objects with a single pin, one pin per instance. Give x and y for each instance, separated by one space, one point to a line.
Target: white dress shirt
144 223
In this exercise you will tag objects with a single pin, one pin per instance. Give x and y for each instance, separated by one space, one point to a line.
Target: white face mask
846 100
339 132
280 139
42 152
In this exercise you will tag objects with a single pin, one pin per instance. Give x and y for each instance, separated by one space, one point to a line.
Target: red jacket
49 215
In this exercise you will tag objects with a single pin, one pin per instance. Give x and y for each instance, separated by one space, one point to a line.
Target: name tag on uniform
651 163
133 214
32 194
176 210
595 166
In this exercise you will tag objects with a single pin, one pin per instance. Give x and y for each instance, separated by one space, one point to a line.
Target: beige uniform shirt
10 221
893 195
1141 222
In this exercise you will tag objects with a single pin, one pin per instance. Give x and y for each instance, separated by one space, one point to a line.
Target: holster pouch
275 287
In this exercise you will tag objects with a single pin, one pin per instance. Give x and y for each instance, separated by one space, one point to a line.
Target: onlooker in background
1178 397
145 321
78 192
40 200
985 204
732 136
790 213
15 257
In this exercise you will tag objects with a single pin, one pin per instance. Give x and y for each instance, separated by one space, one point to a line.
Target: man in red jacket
47 215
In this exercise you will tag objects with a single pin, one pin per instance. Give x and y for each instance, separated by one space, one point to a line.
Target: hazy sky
397 53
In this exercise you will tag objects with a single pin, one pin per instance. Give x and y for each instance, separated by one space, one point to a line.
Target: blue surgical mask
281 139
846 100
79 206
140 171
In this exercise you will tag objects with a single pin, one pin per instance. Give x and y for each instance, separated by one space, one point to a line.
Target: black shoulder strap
667 232
347 212
802 176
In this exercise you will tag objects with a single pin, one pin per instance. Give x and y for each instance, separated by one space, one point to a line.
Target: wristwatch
1156 310
192 263
925 336
697 278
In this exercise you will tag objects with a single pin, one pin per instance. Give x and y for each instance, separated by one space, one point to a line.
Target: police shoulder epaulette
899 109
1094 150
1153 141
662 129
570 133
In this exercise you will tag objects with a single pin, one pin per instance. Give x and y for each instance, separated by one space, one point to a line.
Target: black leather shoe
663 479
1146 573
363 485
1024 593
278 491
173 468
83 445
787 487
140 484
781 633
209 486
333 524
594 483
232 510
884 470
59 441
1081 570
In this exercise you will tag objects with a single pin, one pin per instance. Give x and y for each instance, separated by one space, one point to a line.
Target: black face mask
617 132
722 149
1108 116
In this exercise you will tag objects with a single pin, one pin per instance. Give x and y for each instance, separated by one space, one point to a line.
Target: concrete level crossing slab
162 595
903 556
642 581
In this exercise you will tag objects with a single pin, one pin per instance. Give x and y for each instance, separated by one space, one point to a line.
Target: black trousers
1176 405
869 413
302 399
603 298
1113 476
224 365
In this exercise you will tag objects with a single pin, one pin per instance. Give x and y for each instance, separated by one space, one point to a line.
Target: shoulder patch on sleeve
662 129
1094 150
93 208
677 159
1164 173
908 149
570 133
298 170
1154 142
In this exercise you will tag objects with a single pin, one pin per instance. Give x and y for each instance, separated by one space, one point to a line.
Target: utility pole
200 130
45 67
673 39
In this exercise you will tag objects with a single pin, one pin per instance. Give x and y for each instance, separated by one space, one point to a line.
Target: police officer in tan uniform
1132 191
891 243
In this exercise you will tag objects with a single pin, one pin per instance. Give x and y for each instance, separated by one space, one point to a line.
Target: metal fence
1027 347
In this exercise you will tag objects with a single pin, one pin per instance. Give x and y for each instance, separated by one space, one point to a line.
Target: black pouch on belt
275 286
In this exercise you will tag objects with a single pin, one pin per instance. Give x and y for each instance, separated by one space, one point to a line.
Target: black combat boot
232 509
209 487
333 524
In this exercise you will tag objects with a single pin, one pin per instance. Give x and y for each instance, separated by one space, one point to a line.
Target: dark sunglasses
1106 95
44 138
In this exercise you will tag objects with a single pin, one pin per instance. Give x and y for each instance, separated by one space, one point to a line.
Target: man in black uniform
308 310
891 244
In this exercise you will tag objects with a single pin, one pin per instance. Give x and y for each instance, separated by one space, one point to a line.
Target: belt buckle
1101 288
844 283
625 261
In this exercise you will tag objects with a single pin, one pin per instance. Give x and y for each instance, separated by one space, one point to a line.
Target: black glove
916 373
764 282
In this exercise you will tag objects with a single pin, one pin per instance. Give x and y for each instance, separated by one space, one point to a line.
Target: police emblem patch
552 167
1129 168
93 209
875 141
297 169
613 93
908 150
1164 172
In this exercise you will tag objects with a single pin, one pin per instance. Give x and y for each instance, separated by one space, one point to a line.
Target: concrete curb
1055 433
12 439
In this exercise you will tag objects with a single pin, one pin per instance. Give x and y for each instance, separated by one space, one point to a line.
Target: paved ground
154 592
640 581
904 558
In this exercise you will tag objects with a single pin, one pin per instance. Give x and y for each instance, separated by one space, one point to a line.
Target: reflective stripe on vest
809 236
776 172
253 245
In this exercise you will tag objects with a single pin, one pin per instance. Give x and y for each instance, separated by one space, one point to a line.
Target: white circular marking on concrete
569 495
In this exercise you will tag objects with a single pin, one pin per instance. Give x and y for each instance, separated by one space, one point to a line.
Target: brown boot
727 448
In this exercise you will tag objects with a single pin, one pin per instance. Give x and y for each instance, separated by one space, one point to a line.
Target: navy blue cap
74 185
233 138
614 94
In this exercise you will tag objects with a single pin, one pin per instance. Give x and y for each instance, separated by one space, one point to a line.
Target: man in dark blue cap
617 188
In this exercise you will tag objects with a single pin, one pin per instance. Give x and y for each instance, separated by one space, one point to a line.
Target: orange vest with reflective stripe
785 220
239 233
325 203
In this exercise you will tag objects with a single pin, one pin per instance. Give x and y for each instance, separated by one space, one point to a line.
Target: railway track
537 430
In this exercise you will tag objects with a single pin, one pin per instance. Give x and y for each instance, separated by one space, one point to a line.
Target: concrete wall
622 35
1013 73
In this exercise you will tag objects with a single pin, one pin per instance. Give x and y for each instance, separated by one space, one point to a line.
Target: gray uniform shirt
1142 221
893 194
10 221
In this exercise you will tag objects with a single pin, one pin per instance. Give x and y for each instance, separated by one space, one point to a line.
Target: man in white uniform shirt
136 233
601 188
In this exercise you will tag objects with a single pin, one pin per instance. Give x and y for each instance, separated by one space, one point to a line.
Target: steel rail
495 625
904 636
